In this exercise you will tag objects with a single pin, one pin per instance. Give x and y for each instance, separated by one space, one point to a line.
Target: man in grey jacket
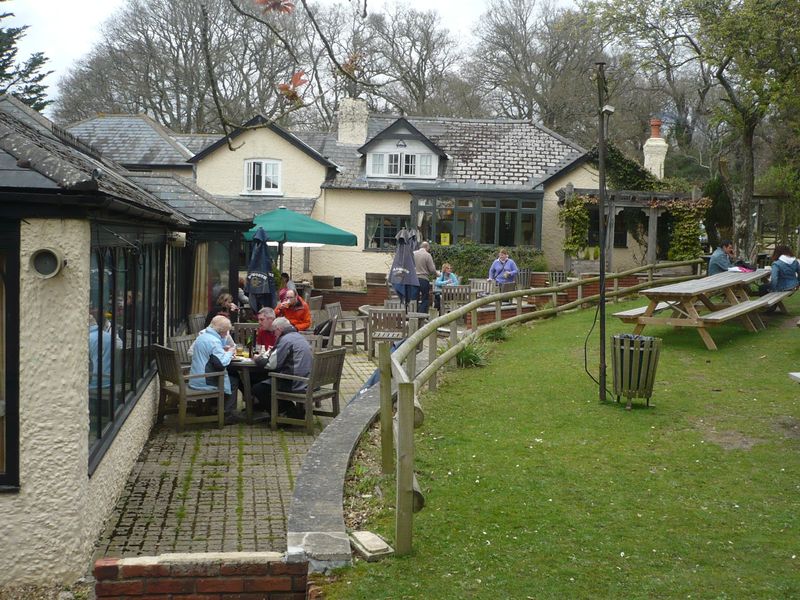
426 270
293 356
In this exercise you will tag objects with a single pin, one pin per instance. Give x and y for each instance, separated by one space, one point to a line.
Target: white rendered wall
48 528
347 209
222 171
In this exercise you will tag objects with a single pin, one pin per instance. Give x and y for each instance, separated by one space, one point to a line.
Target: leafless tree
417 55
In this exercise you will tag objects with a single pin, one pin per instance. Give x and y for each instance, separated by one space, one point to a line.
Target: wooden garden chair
321 384
386 324
175 393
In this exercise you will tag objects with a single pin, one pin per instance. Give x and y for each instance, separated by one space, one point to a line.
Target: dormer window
401 164
262 176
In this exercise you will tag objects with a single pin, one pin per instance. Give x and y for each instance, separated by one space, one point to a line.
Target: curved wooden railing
397 434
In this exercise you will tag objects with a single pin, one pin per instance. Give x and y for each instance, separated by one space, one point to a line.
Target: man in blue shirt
211 355
503 269
722 258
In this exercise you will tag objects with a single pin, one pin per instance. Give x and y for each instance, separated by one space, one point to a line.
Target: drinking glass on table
239 350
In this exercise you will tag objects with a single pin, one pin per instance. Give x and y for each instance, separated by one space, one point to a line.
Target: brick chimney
353 116
655 150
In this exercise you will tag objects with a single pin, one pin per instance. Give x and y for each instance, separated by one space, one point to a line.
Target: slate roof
183 195
40 146
484 155
196 142
253 206
132 140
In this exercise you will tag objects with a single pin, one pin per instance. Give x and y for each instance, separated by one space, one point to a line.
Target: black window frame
139 325
391 246
427 210
10 244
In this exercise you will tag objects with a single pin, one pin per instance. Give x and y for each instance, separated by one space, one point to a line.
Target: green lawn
535 489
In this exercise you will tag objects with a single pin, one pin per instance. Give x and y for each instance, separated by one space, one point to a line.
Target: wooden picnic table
685 298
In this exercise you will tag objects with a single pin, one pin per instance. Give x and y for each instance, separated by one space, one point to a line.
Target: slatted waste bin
634 360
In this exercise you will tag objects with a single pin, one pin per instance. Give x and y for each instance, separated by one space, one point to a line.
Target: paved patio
212 490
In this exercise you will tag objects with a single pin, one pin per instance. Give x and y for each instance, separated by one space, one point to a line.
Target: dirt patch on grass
788 426
726 439
363 494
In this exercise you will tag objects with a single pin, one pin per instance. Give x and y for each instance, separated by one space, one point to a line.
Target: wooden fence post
453 340
432 350
411 361
387 434
405 469
474 313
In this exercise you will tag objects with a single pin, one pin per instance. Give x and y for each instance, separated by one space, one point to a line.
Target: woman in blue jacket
785 270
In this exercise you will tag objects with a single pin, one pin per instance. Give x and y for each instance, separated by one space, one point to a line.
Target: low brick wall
352 299
211 576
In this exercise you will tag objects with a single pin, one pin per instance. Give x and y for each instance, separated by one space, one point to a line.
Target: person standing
722 258
423 261
503 269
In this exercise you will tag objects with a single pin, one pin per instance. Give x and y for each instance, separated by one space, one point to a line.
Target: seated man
722 258
265 336
296 310
293 356
210 356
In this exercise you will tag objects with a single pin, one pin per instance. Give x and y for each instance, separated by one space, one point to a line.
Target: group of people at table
278 346
502 270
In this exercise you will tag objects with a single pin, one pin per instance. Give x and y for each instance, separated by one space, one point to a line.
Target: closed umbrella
403 273
260 283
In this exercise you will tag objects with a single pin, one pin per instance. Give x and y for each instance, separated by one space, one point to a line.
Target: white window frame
412 165
266 165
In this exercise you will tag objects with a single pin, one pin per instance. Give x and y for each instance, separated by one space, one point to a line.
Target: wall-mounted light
46 262
401 144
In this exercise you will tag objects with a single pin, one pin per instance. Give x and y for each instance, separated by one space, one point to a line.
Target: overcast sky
66 29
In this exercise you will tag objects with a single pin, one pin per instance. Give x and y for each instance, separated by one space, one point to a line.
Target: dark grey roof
484 155
38 145
196 142
132 140
253 206
184 196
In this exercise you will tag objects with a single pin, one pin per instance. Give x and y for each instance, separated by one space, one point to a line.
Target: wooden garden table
685 298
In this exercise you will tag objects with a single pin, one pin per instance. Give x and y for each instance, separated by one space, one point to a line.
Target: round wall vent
46 262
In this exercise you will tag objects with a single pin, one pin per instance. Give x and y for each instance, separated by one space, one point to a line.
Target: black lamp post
605 110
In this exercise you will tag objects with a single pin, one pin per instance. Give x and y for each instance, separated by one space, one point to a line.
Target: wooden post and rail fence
397 432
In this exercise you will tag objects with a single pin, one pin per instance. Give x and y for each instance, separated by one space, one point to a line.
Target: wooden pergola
651 203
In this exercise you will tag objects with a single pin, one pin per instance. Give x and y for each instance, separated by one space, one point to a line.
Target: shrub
471 260
496 335
473 355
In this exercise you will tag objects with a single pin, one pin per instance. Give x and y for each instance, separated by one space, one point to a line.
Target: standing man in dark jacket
423 261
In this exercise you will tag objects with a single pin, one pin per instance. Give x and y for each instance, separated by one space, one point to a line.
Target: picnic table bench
686 297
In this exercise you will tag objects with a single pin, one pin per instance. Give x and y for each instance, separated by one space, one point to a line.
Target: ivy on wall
574 219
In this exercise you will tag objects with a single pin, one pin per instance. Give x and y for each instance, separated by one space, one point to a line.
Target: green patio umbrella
283 225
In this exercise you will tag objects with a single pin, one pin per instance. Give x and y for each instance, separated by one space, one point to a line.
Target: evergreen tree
23 79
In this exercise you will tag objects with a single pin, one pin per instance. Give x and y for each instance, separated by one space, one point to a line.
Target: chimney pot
655 128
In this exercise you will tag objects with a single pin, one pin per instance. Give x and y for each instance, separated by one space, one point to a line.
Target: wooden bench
734 311
630 316
776 299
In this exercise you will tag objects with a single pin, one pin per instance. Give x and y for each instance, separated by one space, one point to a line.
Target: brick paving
212 490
